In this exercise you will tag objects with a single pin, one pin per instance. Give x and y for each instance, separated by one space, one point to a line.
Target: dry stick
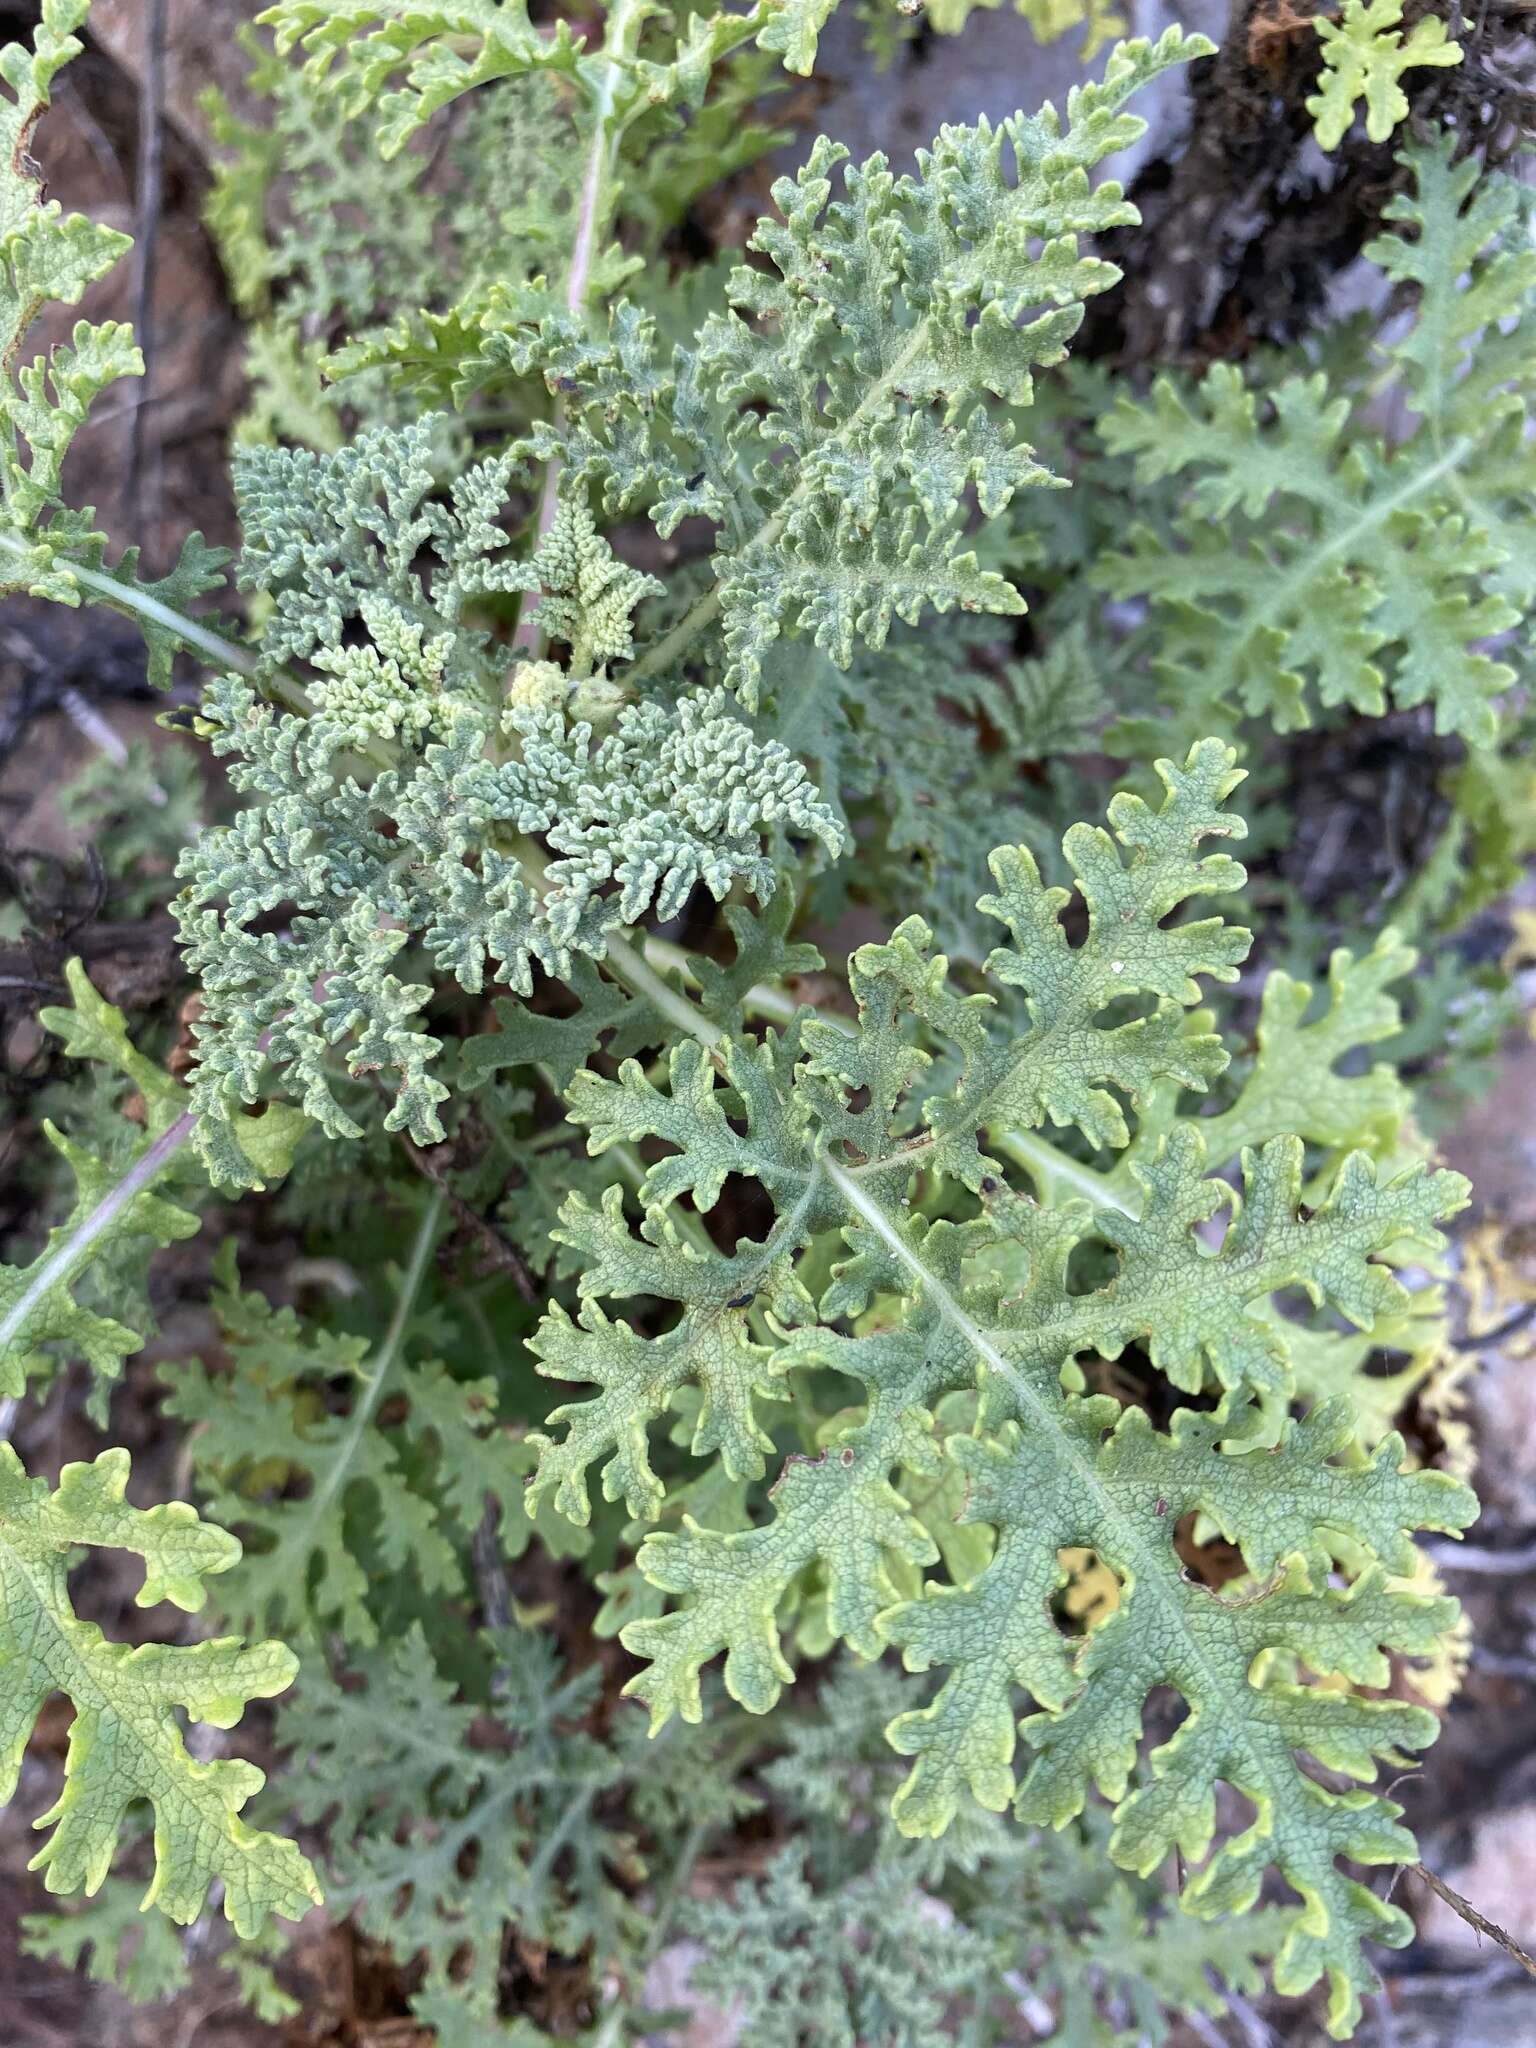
1205 2030
491 1580
504 1255
146 234
1468 1912
1475 1557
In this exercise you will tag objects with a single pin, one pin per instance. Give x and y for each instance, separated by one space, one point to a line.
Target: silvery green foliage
1296 557
902 1955
835 421
445 1842
472 747
635 801
47 546
407 58
843 1135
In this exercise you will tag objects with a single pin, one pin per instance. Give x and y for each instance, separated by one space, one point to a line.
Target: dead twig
1465 1910
1475 1557
490 1569
504 1256
147 228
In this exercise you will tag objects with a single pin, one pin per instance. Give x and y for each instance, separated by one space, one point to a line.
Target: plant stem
1045 1164
146 235
631 967
594 211
131 597
762 999
71 1254
383 1364
662 1912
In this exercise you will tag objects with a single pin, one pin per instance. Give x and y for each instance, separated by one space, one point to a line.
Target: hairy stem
131 597
594 212
73 1252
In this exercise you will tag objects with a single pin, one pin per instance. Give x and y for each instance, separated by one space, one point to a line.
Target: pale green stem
382 1364
594 212
60 1267
631 966
131 597
217 650
1050 1168
612 2029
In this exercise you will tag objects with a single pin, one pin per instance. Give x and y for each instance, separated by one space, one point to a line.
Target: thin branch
72 1252
1465 1910
490 1570
1475 1557
146 233
504 1255
1256 2031
1205 2030
1487 1340
593 213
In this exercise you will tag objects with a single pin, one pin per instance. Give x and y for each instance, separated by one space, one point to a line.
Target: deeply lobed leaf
834 1129
126 1742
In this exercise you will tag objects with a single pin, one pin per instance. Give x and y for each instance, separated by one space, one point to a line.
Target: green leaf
439 1840
1129 1483
46 547
126 1741
335 1497
1364 56
900 308
118 1219
408 58
437 48
638 801
834 1127
1312 559
111 1940
47 254
1295 556
1295 1084
1133 878
1474 269
1049 19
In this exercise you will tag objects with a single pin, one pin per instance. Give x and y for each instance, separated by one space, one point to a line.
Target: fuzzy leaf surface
126 1742
840 1134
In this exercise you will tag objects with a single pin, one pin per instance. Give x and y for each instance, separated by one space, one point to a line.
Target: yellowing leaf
1364 56
126 1742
